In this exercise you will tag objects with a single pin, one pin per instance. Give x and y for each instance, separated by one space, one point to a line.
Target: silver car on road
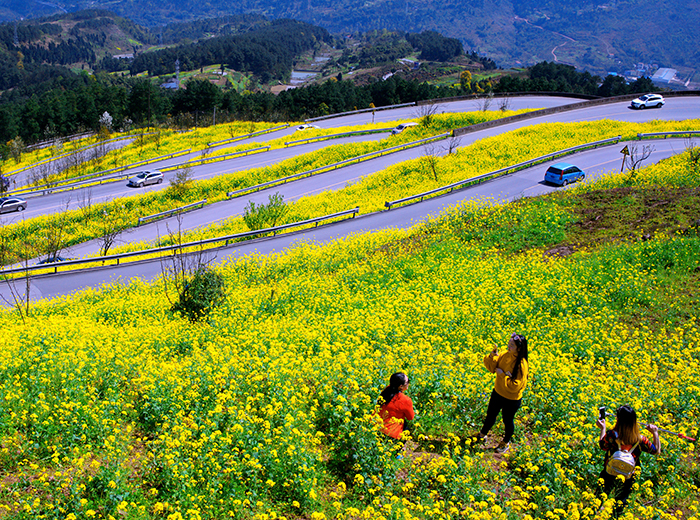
10 204
145 178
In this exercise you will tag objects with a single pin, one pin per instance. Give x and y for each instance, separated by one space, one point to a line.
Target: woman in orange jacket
396 408
511 370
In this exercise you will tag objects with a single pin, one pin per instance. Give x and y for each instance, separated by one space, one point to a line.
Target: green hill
600 37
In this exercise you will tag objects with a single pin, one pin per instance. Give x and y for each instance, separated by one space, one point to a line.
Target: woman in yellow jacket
511 378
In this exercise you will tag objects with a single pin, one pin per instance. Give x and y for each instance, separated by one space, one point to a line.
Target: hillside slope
601 37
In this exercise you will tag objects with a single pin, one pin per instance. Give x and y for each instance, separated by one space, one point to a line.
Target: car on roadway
648 101
562 174
306 127
402 127
146 178
10 204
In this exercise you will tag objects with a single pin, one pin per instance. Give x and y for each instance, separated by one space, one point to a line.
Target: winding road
526 182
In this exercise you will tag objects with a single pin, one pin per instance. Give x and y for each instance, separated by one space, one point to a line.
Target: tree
199 96
112 226
636 157
484 103
431 159
54 241
465 81
613 86
181 182
146 102
693 152
17 148
106 121
203 290
19 290
192 288
265 215
427 112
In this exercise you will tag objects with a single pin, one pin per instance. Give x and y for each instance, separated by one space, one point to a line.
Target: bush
265 215
200 294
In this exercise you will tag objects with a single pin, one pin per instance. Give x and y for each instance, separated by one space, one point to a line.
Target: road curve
524 183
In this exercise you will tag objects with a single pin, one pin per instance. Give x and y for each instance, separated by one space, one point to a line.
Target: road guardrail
332 136
81 149
215 158
248 136
361 111
59 186
497 173
667 134
171 212
175 247
333 166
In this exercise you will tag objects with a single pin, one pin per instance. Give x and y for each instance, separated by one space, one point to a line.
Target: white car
648 101
305 127
146 178
402 127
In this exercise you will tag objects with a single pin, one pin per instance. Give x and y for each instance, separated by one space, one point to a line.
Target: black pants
508 409
620 491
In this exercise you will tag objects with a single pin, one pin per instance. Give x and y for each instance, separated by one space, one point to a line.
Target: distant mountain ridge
615 36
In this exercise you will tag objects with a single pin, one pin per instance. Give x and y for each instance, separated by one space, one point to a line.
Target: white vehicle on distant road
402 127
648 101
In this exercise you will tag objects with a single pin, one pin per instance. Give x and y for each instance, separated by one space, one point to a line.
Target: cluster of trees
269 51
65 111
77 102
380 47
434 46
555 77
174 33
485 61
377 48
75 50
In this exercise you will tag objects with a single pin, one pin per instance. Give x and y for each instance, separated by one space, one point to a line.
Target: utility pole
177 74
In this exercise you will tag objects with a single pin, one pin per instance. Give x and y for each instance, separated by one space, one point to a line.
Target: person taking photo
623 446
511 369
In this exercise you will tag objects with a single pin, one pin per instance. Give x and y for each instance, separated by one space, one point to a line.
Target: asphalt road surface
523 183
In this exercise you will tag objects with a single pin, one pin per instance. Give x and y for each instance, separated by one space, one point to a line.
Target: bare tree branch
431 159
453 143
636 157
483 104
427 113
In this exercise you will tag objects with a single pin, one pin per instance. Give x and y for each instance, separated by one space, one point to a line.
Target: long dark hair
395 381
626 425
521 343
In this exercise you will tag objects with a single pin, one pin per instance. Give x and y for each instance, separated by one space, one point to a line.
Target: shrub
265 215
201 293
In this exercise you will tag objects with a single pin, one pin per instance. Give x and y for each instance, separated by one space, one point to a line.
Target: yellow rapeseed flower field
112 407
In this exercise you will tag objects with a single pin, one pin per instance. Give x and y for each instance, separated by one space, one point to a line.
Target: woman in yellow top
511 378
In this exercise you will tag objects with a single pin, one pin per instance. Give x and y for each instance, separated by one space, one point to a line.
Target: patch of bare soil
639 211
